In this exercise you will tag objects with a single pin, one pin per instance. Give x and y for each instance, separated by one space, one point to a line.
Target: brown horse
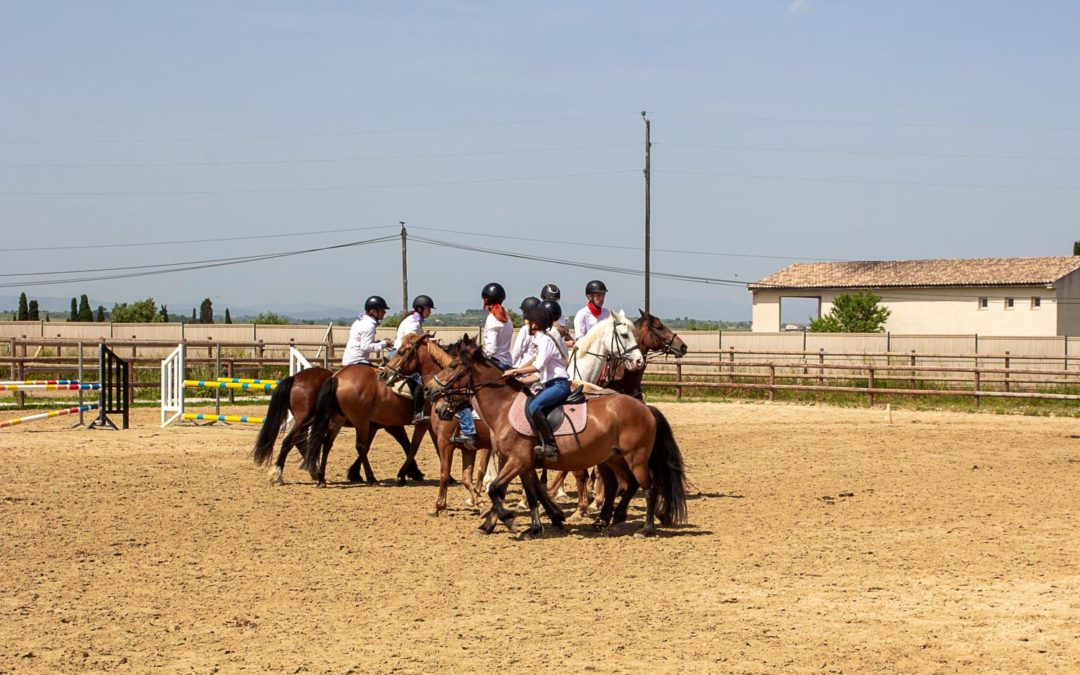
420 354
297 394
621 433
653 338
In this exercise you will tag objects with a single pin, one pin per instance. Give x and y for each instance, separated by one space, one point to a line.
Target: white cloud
798 6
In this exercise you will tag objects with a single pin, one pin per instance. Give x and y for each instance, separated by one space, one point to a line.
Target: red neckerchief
594 310
499 312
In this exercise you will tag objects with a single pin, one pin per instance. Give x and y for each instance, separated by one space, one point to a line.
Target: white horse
609 343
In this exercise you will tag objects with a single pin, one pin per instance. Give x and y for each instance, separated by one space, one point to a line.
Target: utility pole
404 267
648 206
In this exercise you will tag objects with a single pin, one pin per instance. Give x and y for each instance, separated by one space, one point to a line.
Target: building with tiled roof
985 296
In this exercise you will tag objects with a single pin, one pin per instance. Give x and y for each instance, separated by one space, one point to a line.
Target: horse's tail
326 406
276 415
668 473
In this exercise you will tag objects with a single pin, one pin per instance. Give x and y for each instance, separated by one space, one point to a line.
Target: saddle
568 418
401 388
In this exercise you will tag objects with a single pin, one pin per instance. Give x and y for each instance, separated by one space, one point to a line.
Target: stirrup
546 451
420 418
468 442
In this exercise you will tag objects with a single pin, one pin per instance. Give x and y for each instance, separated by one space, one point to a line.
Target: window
984 303
1009 303
1036 302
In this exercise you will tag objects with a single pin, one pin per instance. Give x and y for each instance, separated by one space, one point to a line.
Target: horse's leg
353 474
555 486
409 469
468 464
581 479
533 488
513 467
554 512
598 491
277 471
624 503
639 465
446 465
335 429
604 519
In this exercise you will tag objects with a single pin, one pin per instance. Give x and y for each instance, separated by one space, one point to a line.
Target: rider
497 336
594 312
362 334
414 323
549 369
522 350
558 331
552 292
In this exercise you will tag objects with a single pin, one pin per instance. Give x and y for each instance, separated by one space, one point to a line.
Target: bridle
665 347
412 352
618 354
457 396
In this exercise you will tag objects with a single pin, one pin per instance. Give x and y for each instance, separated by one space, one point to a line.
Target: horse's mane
480 357
586 343
441 356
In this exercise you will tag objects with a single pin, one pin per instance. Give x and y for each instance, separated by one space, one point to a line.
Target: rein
618 354
413 352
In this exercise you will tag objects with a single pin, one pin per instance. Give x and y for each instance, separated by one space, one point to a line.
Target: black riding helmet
528 303
553 309
422 301
375 302
595 286
539 317
493 294
551 292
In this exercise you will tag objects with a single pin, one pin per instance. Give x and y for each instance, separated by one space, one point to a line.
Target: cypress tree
164 313
193 319
85 313
100 314
206 311
1076 248
228 317
24 310
74 316
32 313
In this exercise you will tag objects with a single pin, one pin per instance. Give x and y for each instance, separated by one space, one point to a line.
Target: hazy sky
807 130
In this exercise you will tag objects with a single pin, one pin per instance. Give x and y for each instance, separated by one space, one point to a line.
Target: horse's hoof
469 502
531 533
400 481
561 494
558 525
645 532
619 519
435 513
599 525
321 484
480 532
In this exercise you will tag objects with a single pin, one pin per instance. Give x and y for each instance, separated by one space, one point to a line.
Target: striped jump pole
223 418
47 415
213 384
50 387
39 382
242 380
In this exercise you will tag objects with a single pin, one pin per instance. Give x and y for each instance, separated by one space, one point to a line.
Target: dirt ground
821 539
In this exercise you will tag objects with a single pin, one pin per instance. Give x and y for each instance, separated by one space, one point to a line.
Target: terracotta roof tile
922 273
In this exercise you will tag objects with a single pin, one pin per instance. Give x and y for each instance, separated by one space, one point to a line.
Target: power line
322 160
857 181
332 188
871 153
194 266
882 123
249 237
327 134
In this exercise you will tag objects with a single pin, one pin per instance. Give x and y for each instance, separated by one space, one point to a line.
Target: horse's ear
622 315
643 314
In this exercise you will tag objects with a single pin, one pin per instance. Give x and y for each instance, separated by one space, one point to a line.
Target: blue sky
799 130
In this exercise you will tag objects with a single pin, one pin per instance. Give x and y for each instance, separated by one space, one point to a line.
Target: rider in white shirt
552 292
522 350
594 311
496 338
362 334
414 323
549 369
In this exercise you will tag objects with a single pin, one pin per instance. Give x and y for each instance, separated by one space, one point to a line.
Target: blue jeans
466 423
554 393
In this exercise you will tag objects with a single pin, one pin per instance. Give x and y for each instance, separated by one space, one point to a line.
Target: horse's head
624 342
456 375
406 361
654 336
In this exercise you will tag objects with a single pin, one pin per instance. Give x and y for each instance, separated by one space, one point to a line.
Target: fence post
821 366
326 353
978 384
217 374
230 372
870 386
81 412
678 380
731 368
1006 369
772 381
20 396
913 373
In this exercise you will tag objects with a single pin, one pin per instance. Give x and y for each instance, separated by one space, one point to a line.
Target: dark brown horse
621 433
297 394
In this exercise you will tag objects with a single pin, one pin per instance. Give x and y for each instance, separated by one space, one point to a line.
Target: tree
74 316
32 313
24 311
270 318
100 314
85 313
141 311
164 313
193 319
1076 248
206 311
228 317
853 313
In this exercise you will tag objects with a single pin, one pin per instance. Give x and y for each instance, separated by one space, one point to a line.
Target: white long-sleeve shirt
361 341
497 338
414 323
549 362
584 320
522 350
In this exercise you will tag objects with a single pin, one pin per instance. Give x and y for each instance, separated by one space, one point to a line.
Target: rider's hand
507 374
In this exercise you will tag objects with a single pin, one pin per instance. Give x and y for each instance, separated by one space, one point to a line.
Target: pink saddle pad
574 420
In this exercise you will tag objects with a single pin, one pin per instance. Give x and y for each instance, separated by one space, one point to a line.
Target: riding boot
547 447
418 416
